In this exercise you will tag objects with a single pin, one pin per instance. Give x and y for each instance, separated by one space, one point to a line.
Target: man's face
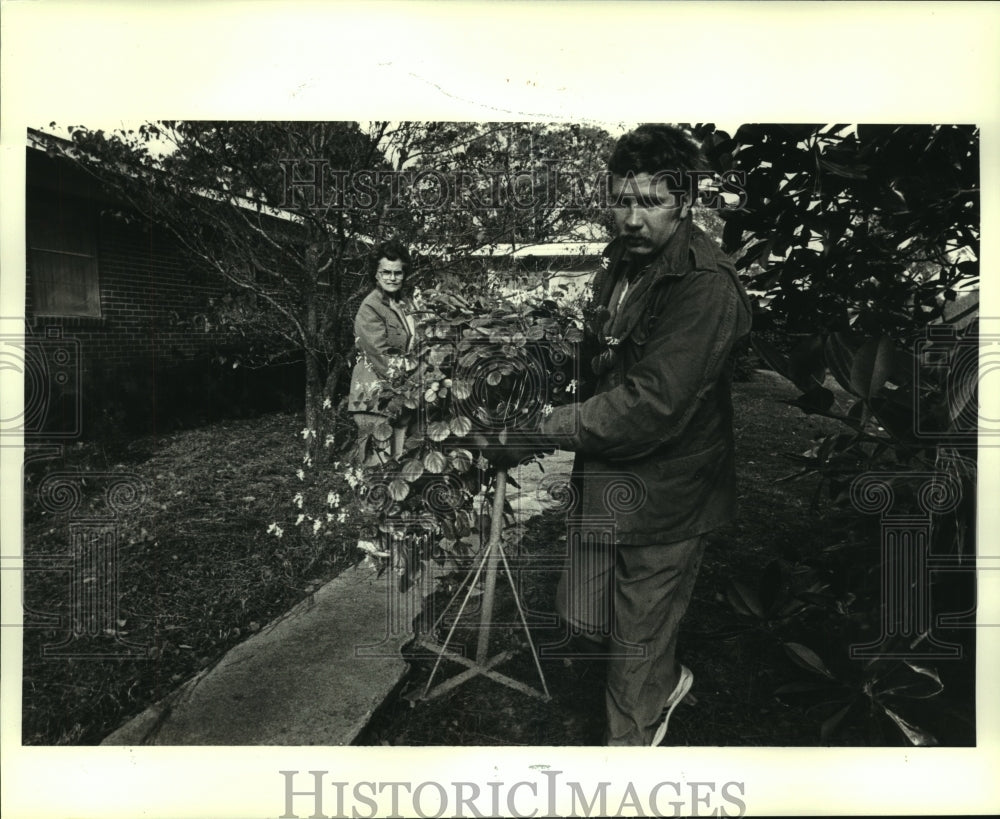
389 275
646 212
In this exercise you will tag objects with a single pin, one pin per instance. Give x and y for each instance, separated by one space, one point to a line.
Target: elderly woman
383 328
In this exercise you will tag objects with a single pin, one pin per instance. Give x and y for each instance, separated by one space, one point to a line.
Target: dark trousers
633 599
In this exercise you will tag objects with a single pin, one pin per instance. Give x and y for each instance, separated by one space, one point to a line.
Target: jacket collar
673 261
378 295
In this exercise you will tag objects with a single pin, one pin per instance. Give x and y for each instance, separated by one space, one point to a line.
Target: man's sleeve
681 360
369 330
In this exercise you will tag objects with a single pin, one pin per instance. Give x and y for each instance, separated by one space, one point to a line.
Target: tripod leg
458 617
496 528
524 621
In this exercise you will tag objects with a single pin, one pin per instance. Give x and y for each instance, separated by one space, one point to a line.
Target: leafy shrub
491 362
140 398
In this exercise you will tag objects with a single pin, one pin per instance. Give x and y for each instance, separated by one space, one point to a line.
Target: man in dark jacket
654 469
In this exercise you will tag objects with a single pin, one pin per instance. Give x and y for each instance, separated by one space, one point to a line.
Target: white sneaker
679 692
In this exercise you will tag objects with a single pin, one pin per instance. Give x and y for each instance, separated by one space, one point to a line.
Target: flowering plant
491 362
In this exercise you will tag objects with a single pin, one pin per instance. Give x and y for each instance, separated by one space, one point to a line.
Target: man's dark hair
656 147
394 251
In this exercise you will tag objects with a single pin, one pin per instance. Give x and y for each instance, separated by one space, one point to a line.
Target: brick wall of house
133 352
153 301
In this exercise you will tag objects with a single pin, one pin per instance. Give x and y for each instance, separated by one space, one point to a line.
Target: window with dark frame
62 249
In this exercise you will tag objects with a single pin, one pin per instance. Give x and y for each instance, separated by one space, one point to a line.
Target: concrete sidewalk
316 675
302 680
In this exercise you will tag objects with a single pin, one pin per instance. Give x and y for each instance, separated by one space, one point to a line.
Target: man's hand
509 457
526 445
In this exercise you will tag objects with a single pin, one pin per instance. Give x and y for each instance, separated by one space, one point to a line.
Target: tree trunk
314 388
312 403
330 390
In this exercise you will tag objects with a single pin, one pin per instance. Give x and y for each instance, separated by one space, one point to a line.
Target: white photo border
102 63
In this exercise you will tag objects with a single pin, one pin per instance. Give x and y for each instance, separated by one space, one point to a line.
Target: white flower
327 403
300 474
275 530
547 410
394 366
298 499
317 525
299 519
327 443
571 386
336 464
307 460
333 499
342 517
369 547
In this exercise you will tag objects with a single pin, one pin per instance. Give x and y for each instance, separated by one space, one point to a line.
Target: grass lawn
198 572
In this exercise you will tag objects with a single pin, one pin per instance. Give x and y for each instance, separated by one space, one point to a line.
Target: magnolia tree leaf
916 736
744 599
830 724
871 367
806 658
912 681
